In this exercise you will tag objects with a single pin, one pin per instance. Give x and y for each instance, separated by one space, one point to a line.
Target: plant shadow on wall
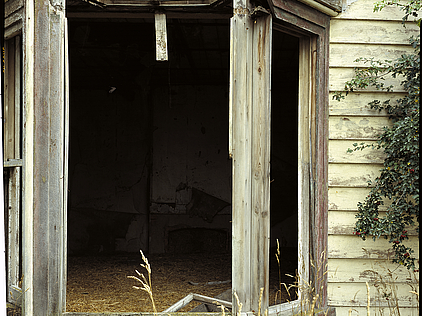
398 181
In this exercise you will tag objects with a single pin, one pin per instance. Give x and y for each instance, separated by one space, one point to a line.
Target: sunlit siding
359 32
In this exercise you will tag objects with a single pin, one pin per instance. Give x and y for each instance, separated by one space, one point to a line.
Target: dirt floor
100 284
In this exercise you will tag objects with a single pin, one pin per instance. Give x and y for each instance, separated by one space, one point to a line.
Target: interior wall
148 140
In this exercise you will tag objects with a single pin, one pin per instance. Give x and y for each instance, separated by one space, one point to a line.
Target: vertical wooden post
250 150
261 146
43 231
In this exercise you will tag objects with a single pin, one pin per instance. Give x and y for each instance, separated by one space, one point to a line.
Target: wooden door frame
312 28
44 231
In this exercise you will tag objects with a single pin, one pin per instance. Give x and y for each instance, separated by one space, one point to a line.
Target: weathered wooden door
44 178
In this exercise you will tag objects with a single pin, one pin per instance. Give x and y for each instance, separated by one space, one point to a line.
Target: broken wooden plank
161 36
196 297
211 300
180 304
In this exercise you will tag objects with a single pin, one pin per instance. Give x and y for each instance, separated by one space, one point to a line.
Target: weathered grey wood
242 36
13 163
9 97
12 6
211 300
302 11
14 18
161 53
15 295
17 95
65 176
44 101
180 304
13 204
195 297
28 147
261 147
12 159
250 149
304 158
145 314
13 30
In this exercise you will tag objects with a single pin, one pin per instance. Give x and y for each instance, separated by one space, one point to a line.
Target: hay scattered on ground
100 284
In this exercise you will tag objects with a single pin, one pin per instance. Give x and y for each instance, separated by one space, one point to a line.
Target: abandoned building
182 127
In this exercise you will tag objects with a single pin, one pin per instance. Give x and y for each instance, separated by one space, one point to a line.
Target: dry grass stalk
369 299
239 305
146 285
260 301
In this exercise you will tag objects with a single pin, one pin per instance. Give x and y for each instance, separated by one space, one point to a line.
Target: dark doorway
149 167
284 164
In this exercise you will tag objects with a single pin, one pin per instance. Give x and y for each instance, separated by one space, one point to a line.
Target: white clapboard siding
371 32
359 128
337 153
352 175
355 294
345 198
352 247
364 10
345 55
368 270
356 311
356 104
339 76
343 223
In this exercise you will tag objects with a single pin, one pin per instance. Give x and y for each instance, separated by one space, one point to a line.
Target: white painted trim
320 7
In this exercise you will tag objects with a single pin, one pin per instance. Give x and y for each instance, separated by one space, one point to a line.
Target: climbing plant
398 182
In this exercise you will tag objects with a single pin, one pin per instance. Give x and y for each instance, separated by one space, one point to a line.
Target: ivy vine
398 182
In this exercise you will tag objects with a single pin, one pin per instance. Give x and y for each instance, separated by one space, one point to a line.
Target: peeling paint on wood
365 270
352 175
343 223
338 153
355 294
352 247
356 128
356 104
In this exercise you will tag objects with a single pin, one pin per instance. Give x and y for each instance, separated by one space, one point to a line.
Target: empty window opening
284 165
148 167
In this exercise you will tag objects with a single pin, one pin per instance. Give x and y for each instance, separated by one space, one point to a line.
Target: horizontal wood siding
359 32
